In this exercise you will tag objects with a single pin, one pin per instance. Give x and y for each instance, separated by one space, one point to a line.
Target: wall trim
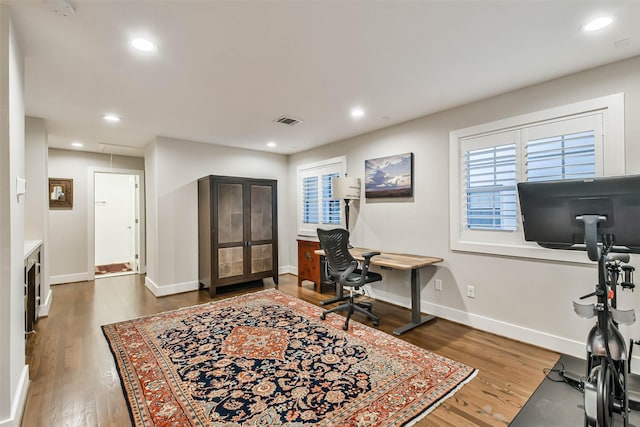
541 339
288 269
177 288
19 401
69 278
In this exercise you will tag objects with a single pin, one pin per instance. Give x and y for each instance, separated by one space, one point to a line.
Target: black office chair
343 268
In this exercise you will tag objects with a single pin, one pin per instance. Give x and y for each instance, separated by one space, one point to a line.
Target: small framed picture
60 193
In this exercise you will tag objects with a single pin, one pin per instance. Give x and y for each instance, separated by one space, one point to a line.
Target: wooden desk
391 261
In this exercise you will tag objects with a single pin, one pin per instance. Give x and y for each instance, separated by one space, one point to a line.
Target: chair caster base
323 316
376 323
345 327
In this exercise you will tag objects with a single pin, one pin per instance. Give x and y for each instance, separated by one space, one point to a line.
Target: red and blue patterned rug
266 359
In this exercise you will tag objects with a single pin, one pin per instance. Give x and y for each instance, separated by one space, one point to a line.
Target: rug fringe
444 398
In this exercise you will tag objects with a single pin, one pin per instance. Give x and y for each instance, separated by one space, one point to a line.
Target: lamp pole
346 211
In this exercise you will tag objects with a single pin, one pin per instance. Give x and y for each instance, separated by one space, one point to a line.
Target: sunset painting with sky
389 176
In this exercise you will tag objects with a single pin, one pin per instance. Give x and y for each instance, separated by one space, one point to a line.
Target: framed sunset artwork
390 176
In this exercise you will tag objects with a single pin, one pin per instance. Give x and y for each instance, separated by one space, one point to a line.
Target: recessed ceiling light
356 113
597 24
77 144
143 44
113 118
271 144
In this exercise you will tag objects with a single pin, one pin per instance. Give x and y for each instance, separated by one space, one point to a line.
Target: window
317 208
487 162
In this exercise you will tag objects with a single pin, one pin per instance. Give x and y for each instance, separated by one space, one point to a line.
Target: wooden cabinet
311 266
309 263
237 231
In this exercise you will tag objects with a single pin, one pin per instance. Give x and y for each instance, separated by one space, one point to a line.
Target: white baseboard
43 311
515 332
69 278
177 288
288 269
19 401
161 291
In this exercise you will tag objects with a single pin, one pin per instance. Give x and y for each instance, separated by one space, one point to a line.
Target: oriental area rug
266 359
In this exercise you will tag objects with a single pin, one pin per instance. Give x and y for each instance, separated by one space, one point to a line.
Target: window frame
309 169
611 108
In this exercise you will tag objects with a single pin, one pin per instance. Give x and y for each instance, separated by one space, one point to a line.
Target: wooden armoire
237 231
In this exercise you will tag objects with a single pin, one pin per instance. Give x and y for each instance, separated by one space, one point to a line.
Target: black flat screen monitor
550 210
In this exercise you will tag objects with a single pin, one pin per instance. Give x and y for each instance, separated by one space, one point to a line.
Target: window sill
532 252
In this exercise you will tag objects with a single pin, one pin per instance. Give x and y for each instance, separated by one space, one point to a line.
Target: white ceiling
224 71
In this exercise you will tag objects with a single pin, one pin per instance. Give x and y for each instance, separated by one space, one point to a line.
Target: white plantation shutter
330 206
310 195
561 157
317 207
564 149
490 180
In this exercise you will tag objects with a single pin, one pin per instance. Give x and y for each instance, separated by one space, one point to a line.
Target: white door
115 219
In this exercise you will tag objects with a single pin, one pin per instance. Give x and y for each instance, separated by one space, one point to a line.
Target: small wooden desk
390 261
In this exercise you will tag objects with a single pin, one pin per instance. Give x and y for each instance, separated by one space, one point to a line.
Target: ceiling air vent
287 120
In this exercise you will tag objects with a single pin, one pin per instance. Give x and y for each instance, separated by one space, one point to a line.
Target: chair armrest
343 277
368 255
365 265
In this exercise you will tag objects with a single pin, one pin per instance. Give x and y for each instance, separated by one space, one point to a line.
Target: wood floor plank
74 381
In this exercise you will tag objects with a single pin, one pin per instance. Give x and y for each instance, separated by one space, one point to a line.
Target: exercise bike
599 215
605 384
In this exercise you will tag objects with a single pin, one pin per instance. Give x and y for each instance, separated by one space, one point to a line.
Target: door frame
91 219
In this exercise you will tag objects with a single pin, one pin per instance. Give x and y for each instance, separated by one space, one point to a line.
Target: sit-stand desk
391 261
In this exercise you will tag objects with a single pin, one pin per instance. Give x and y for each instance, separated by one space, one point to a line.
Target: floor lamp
347 189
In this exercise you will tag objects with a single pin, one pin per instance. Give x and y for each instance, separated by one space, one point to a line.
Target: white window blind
330 206
310 200
569 156
317 207
490 176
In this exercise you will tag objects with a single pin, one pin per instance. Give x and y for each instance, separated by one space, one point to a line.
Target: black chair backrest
335 244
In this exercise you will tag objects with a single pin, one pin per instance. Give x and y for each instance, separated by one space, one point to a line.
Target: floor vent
287 120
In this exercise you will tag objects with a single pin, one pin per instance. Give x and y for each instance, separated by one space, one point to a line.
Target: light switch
21 186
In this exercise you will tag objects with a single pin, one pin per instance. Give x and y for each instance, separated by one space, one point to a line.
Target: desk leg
417 318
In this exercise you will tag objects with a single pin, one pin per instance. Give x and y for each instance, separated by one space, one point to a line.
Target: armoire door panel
230 262
261 212
261 258
230 213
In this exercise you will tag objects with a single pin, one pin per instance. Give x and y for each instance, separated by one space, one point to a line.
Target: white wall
527 300
172 170
37 200
14 374
68 239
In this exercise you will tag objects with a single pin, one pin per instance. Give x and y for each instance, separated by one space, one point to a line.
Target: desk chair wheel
376 323
346 326
323 316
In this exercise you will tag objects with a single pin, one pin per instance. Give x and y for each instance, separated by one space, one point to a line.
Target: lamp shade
346 188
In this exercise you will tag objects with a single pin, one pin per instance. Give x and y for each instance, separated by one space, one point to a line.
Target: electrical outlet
471 291
438 285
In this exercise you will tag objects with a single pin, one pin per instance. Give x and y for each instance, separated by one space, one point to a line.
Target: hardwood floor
74 381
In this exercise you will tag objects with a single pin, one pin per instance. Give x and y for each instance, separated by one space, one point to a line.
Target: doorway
116 224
